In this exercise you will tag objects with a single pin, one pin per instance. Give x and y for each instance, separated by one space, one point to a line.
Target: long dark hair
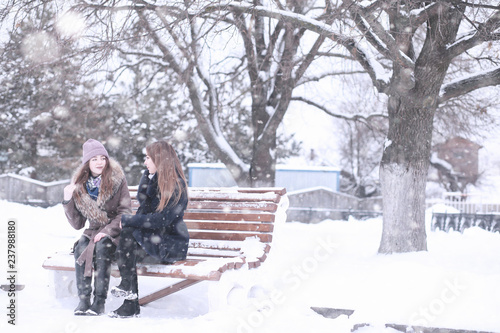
171 179
83 176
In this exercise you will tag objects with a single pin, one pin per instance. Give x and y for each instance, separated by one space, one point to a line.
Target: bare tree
227 61
381 36
45 99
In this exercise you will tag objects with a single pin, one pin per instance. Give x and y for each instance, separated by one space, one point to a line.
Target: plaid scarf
93 185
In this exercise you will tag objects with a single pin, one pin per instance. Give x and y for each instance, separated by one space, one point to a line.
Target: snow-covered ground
456 284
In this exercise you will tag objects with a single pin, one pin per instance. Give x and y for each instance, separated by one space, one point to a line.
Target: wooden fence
25 190
319 203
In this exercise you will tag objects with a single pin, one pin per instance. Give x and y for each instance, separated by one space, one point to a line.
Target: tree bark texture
403 175
413 100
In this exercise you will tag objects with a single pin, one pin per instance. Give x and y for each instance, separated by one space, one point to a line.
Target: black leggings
103 255
129 252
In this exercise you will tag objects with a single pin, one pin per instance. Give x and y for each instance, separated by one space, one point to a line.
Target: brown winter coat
103 214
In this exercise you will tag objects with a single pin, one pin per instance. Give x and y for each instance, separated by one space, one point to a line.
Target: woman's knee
80 246
105 246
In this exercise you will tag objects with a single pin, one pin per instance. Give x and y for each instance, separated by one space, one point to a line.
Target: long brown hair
84 174
171 179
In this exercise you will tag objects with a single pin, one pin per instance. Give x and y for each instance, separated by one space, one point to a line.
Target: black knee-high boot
83 284
129 308
104 252
128 287
126 260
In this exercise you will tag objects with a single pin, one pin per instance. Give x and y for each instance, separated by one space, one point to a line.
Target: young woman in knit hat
99 194
157 232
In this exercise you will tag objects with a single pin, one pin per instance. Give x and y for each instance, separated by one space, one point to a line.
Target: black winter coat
163 235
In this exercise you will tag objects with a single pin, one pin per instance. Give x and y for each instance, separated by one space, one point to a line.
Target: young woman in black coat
157 232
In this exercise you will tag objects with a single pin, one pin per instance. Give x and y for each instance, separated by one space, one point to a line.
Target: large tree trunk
405 160
403 174
263 164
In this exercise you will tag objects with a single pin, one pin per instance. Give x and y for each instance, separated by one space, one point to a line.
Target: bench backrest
224 217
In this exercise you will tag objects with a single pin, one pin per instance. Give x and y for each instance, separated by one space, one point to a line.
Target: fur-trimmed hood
95 210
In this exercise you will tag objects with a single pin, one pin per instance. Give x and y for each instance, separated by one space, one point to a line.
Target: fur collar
95 210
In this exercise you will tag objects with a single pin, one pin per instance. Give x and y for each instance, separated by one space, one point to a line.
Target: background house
291 177
463 156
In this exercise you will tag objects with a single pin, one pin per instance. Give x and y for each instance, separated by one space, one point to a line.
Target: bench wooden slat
224 245
277 190
228 226
212 244
267 238
230 194
191 268
229 217
234 197
200 253
232 206
194 206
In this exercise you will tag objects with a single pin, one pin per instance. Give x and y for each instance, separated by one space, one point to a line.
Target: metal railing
467 203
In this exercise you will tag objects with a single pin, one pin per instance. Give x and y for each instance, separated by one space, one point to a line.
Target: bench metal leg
167 291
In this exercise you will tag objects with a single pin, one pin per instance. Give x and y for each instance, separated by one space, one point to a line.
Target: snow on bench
228 228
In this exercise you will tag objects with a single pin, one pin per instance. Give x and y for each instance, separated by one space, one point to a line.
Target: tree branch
309 58
322 29
485 32
247 42
424 14
376 33
356 117
320 77
163 48
466 85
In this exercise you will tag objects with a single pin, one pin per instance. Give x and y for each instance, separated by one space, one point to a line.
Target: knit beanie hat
93 148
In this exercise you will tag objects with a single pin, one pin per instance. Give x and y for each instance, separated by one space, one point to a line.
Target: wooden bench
228 228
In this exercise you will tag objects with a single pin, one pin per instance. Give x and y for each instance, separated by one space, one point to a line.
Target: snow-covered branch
205 118
370 65
138 6
309 58
163 48
371 37
378 36
421 15
484 32
465 85
138 54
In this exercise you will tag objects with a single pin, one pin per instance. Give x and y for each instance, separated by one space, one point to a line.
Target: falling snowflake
71 25
40 47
